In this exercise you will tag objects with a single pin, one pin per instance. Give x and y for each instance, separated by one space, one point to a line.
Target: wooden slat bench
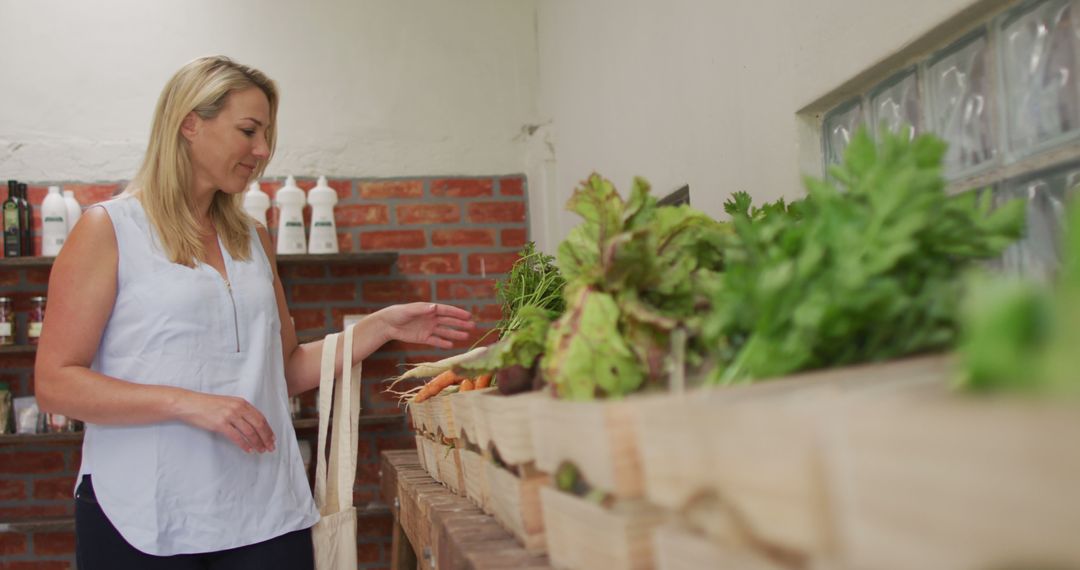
434 529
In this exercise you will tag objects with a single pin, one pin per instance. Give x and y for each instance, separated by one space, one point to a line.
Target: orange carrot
467 385
483 381
437 384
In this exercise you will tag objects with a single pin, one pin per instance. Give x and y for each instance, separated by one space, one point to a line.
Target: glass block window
1006 98
1038 53
961 100
1038 254
840 126
895 104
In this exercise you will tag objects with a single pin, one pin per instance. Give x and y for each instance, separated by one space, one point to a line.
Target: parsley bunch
534 281
531 297
867 267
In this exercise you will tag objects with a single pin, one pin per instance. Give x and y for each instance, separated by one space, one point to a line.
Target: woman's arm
82 292
426 323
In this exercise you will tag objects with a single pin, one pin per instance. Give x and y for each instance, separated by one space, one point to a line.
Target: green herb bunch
531 297
1020 336
534 281
867 267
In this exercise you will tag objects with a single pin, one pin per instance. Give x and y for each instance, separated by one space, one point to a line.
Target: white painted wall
682 91
703 92
369 87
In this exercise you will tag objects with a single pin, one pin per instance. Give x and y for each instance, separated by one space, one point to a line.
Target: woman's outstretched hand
426 323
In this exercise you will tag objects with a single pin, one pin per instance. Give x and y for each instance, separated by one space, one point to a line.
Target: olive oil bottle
12 221
26 221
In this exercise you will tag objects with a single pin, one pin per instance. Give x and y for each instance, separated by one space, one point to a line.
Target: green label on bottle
11 215
12 231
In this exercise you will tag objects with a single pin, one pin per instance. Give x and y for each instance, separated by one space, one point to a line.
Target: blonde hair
163 181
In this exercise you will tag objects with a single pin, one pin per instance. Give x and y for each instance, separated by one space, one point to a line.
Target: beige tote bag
334 535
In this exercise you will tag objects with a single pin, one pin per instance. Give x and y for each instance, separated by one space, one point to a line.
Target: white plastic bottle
290 202
53 222
256 202
74 210
323 231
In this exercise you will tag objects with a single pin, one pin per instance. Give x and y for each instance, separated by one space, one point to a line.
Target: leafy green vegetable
531 297
1019 336
1062 358
534 281
520 347
586 354
635 273
1007 324
568 479
863 269
741 204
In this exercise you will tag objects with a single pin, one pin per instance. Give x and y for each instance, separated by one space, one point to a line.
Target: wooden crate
430 461
582 535
755 451
420 451
474 475
421 416
442 416
514 501
464 405
957 482
676 547
599 438
507 426
448 458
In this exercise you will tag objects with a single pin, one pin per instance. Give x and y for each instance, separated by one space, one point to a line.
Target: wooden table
435 529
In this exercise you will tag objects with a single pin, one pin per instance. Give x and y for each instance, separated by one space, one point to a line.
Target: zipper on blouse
236 320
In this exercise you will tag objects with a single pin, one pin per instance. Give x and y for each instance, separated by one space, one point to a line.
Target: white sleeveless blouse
171 488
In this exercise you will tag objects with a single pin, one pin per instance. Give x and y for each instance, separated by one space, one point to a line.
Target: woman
169 336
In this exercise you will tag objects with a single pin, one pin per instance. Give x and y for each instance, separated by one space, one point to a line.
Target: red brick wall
455 238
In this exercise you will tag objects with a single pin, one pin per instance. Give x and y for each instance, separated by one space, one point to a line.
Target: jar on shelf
35 319
58 423
7 322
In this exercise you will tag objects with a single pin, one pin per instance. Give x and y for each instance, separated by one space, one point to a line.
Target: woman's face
227 149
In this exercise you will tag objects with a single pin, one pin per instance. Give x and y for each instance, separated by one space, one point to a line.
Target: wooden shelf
19 262
51 524
375 420
364 258
18 349
361 258
10 438
32 348
61 524
301 424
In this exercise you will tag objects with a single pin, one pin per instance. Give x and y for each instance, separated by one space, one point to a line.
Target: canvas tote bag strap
326 393
343 459
334 536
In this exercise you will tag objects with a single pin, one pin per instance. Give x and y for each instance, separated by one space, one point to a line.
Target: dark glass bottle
12 222
26 223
